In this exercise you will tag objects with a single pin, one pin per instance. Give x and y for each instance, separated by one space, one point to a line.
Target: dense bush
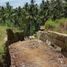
50 24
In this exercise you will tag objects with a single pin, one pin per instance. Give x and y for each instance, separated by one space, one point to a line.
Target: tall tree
8 13
44 11
31 26
65 8
56 9
2 15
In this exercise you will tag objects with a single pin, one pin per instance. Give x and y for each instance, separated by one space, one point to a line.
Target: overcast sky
16 3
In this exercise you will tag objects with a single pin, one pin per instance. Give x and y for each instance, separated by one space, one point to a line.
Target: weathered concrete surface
53 38
35 53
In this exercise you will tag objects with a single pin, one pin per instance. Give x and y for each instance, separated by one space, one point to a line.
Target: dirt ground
35 53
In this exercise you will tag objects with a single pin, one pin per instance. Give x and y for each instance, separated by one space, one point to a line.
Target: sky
16 3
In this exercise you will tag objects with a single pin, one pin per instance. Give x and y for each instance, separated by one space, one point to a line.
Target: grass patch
59 25
2 39
50 24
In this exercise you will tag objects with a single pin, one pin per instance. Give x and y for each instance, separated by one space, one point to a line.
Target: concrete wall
54 38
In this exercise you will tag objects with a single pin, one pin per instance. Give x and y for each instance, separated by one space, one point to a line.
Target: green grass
50 24
2 41
2 37
59 25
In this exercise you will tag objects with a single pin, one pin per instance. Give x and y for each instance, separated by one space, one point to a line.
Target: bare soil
35 53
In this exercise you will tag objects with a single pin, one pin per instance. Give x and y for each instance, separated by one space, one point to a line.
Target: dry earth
35 53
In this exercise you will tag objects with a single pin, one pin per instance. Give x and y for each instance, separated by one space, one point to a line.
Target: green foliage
2 40
44 11
59 25
2 36
31 16
50 24
65 8
57 10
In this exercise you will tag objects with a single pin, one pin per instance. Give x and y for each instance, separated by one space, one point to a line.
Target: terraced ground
35 53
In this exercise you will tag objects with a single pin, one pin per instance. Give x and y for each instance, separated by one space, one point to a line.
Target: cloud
3 1
16 3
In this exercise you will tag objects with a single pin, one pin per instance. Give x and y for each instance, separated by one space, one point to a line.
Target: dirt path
35 53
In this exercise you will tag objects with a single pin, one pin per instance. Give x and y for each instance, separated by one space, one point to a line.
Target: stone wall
53 38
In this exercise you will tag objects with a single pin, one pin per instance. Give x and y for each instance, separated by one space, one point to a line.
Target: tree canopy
31 16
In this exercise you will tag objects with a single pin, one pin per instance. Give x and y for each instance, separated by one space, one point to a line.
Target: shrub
50 24
59 25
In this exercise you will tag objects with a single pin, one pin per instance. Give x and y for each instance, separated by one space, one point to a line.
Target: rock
5 39
31 37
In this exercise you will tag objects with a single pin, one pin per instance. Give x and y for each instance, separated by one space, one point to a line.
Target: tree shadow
7 58
11 38
1 64
14 37
64 53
